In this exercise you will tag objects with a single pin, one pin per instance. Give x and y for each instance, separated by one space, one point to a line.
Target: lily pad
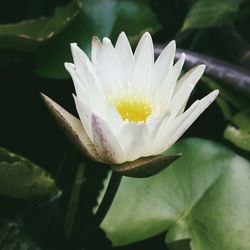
22 179
239 132
29 34
204 197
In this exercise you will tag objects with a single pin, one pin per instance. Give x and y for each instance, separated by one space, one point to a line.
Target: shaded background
29 66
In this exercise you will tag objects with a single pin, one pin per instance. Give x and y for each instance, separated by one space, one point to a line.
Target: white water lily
129 105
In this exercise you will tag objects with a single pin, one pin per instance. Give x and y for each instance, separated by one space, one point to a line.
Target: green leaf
29 34
207 13
220 220
204 196
229 95
96 18
239 132
22 179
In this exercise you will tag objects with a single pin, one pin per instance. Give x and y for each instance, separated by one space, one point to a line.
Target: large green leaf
203 196
220 220
96 18
239 132
22 179
29 34
207 13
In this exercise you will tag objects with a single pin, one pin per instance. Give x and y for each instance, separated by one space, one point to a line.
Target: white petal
144 58
203 104
135 140
191 77
170 127
95 50
79 56
85 116
157 134
126 57
90 94
155 125
106 143
163 64
181 97
81 60
114 118
145 43
84 68
166 90
108 67
80 86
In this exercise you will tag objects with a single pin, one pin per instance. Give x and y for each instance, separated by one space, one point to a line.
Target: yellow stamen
133 108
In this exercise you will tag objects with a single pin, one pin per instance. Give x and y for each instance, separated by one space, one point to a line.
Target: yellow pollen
133 108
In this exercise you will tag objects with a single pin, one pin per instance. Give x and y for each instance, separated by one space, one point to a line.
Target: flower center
134 108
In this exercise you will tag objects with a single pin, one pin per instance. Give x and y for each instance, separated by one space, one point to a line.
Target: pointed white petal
145 43
108 67
167 87
82 64
126 57
168 129
163 64
176 123
107 145
203 104
95 50
191 77
181 97
144 58
91 94
80 87
79 56
84 68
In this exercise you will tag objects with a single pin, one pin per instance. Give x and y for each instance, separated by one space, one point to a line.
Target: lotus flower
130 105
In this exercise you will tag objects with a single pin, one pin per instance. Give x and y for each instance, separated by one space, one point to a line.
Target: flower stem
108 198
